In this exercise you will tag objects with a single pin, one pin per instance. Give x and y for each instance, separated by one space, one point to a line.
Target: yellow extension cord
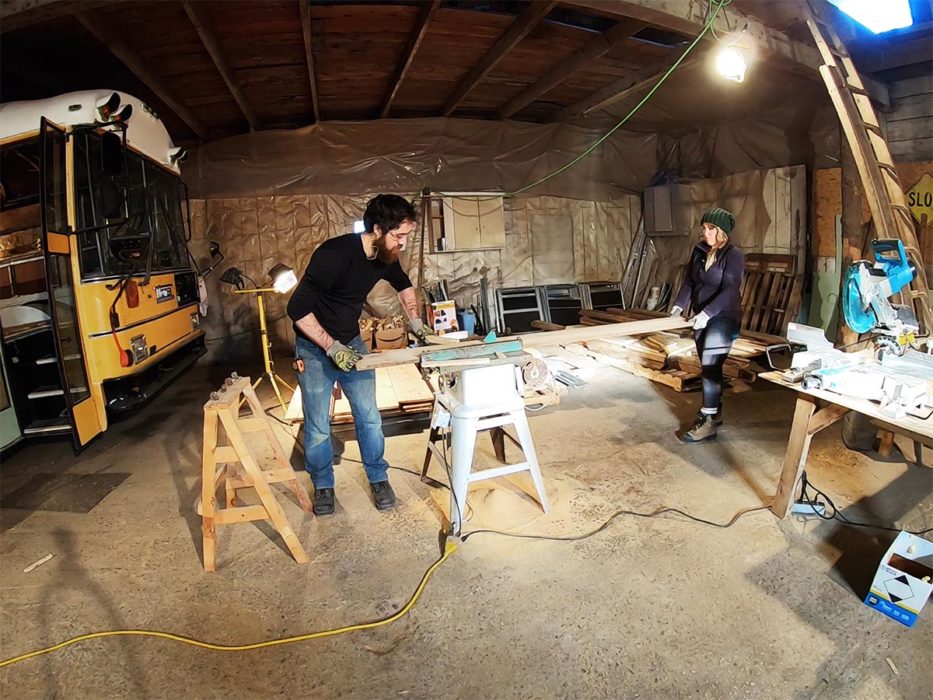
449 548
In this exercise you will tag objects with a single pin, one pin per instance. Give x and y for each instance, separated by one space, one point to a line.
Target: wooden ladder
234 467
876 168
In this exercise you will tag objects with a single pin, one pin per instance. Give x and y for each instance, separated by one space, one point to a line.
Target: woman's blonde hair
721 239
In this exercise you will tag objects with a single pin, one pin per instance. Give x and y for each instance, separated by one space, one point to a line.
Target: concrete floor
657 607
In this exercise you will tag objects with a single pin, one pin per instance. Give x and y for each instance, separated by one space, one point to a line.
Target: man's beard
383 254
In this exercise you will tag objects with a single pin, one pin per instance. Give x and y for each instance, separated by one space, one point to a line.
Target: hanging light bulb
731 64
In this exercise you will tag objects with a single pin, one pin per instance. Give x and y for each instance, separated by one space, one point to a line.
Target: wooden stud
536 11
195 13
305 11
122 50
208 491
414 43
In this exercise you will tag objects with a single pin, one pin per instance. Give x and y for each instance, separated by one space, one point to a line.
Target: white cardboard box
902 583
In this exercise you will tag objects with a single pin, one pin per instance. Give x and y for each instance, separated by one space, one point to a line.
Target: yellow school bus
99 294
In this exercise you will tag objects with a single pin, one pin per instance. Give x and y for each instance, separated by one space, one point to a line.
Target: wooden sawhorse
234 467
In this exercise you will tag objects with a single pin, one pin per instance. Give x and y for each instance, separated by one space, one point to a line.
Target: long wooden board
390 358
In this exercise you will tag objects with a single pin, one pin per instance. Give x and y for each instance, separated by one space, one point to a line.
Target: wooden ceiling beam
122 50
305 10
622 88
689 17
888 55
421 28
597 47
536 11
195 13
18 14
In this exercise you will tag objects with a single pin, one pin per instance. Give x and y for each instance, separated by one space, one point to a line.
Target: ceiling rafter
597 47
125 53
622 88
414 43
305 11
195 13
688 17
536 11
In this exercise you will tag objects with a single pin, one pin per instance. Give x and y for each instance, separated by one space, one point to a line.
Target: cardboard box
443 317
904 579
391 338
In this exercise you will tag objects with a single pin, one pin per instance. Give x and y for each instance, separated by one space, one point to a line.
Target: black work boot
704 430
383 495
323 502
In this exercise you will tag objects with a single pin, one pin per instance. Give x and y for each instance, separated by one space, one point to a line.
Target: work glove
342 356
677 311
700 321
420 330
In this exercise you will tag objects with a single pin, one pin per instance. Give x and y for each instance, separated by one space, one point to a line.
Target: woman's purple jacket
716 291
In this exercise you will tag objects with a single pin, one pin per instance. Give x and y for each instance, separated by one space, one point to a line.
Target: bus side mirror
112 154
111 198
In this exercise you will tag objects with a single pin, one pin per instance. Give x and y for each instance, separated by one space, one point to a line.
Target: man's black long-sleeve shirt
336 283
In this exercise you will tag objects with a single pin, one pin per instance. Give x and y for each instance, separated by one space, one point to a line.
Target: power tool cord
449 549
836 514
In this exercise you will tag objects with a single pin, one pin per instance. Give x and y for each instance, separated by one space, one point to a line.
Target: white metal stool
482 398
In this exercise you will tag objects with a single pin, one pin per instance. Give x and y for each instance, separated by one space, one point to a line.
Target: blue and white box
904 579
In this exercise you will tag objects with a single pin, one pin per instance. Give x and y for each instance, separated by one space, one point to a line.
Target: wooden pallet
679 366
770 293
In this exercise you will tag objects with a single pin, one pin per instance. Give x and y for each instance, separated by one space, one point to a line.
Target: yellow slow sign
920 199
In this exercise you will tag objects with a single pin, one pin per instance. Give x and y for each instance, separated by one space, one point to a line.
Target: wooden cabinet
474 222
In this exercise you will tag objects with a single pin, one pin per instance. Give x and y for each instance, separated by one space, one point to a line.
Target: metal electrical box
666 210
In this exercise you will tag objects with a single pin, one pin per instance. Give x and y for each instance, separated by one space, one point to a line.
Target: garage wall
909 122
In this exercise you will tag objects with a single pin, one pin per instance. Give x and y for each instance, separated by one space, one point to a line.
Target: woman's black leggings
713 345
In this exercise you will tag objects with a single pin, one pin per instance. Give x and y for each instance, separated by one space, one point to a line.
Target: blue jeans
317 384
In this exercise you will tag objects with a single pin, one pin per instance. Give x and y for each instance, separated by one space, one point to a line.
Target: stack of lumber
400 391
669 357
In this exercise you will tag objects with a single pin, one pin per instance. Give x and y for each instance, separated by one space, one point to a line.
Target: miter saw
866 297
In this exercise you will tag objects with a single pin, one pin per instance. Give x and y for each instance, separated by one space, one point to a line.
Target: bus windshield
117 235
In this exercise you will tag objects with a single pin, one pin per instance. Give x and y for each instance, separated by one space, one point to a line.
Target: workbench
817 409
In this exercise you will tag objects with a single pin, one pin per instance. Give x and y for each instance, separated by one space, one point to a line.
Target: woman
712 286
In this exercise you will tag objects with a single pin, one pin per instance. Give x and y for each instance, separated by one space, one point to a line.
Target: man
325 309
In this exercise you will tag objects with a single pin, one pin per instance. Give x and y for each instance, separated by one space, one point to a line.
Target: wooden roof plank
119 48
535 12
196 15
689 17
598 46
305 10
421 28
622 88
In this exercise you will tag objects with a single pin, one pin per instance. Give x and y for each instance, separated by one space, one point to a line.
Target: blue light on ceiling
876 15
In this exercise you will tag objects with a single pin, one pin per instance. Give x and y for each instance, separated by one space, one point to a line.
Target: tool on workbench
866 304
